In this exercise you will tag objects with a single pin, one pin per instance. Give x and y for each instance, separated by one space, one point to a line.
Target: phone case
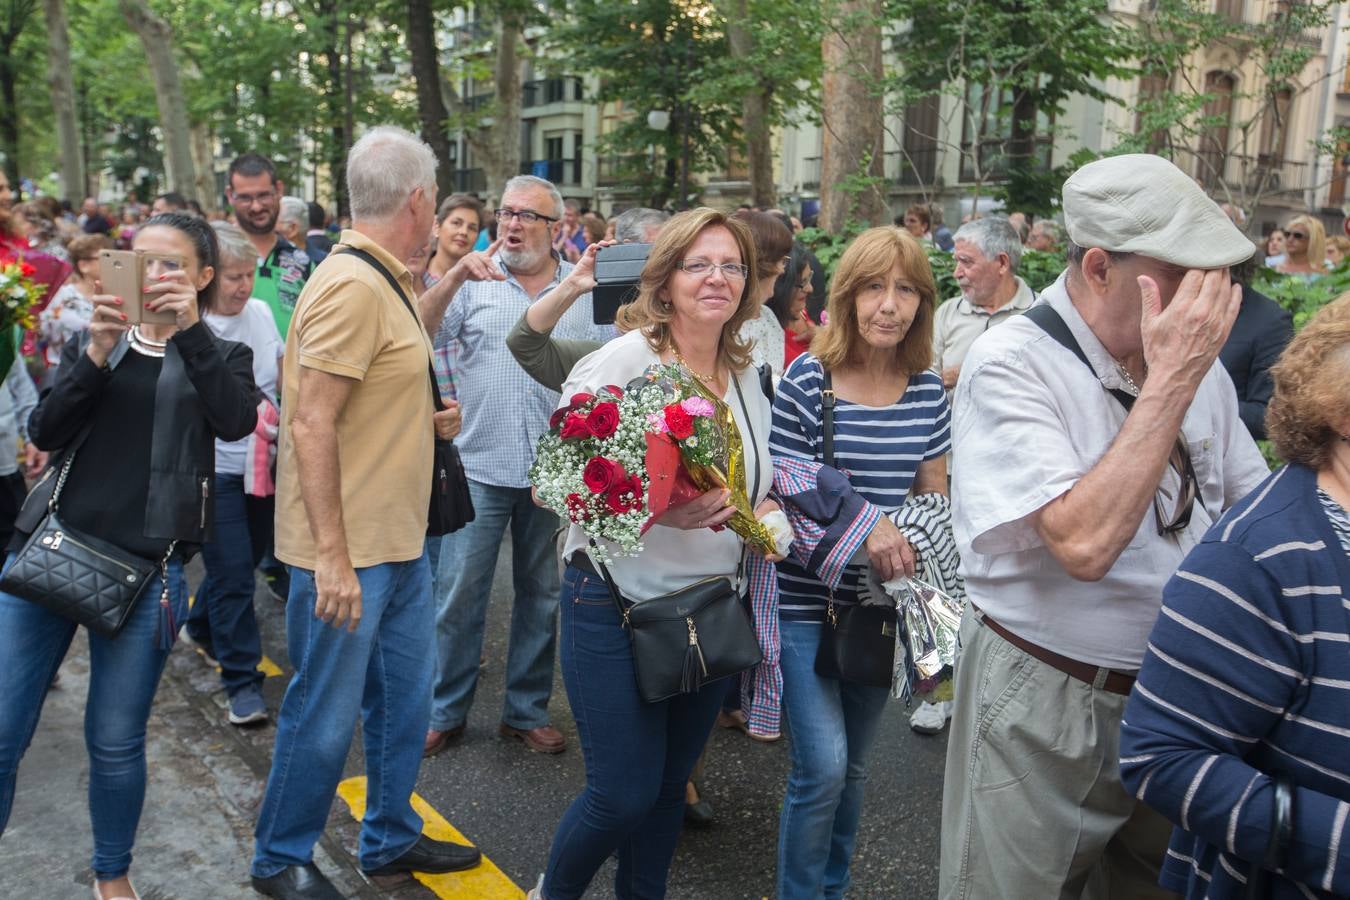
150 317
119 271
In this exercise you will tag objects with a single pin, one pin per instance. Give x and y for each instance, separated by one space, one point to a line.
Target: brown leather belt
1116 682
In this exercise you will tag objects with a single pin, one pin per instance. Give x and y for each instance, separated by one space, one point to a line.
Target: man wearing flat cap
1096 439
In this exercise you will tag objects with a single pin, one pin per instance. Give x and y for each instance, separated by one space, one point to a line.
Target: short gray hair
235 247
630 226
384 167
526 182
1050 229
294 210
993 235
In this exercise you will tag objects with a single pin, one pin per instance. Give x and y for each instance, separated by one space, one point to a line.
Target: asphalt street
207 779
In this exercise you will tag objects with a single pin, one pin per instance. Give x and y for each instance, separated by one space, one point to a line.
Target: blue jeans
123 676
468 558
638 755
223 611
832 724
380 674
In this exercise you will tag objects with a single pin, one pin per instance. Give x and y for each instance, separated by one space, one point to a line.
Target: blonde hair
873 255
653 314
1317 240
1310 385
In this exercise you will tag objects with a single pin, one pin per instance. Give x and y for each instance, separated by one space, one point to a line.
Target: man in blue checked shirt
477 303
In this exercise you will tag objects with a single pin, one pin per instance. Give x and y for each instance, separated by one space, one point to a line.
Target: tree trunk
157 38
852 116
203 165
63 102
500 150
754 112
426 70
10 29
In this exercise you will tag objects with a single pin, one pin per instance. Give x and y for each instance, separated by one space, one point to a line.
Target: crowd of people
1149 699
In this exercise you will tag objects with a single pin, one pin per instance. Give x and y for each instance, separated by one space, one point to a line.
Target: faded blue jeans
831 725
468 559
380 675
123 677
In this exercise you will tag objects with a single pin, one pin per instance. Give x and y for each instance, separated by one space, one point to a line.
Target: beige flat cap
1141 203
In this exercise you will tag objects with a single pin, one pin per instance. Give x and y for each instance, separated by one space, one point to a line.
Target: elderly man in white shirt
1096 438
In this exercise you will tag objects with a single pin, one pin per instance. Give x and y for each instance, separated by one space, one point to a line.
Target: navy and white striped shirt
1248 675
879 448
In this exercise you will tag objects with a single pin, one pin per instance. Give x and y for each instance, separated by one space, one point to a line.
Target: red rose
601 474
625 496
574 426
27 270
615 390
557 417
603 419
577 510
580 399
680 423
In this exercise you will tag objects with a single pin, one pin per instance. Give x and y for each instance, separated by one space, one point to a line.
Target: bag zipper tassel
695 666
167 630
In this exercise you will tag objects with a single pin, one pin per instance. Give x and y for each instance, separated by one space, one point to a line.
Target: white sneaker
930 718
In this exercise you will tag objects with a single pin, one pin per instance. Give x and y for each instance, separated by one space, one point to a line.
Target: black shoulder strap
827 419
398 289
1053 324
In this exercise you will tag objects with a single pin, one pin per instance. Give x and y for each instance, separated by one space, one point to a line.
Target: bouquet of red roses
613 460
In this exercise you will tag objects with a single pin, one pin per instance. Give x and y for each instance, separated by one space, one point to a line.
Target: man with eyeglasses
505 412
1096 438
255 193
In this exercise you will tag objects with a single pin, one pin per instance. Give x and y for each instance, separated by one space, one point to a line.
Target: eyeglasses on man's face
701 268
251 199
526 216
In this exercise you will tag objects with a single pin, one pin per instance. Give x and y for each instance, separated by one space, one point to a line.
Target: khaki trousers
1033 807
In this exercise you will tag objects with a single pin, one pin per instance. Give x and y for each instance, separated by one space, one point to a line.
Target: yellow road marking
484 882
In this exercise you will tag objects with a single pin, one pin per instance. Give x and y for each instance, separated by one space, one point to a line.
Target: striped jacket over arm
1248 674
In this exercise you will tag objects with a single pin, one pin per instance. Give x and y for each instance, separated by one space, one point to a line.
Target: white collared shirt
959 322
1030 420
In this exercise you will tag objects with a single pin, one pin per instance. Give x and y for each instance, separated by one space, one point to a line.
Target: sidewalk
206 781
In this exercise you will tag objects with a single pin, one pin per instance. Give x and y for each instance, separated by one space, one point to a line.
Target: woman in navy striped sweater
1247 676
891 432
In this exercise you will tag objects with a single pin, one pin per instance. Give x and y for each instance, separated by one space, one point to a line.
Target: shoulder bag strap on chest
827 419
1053 324
398 289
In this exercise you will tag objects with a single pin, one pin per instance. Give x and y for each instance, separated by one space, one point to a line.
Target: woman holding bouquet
697 290
891 429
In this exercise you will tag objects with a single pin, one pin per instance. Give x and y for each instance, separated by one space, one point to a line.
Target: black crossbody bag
696 635
82 578
859 645
451 506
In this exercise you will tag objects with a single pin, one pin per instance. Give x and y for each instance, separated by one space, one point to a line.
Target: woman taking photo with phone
135 410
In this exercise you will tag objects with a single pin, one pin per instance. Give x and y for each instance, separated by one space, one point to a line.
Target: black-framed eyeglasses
1180 460
1297 235
250 199
702 267
528 216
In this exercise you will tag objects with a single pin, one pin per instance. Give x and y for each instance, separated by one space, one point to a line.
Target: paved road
207 777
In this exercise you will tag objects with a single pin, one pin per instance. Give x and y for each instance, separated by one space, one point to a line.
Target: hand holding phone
124 274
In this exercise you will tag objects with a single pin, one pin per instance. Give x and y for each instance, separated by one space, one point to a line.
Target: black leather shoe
297 883
428 855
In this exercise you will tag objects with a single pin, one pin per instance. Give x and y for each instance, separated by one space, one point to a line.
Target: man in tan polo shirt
353 487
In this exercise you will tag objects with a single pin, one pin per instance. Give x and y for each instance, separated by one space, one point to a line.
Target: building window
1218 117
1153 85
989 131
918 163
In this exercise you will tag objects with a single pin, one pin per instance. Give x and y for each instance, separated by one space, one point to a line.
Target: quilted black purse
451 506
80 577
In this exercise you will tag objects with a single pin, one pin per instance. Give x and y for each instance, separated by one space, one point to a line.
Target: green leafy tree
1009 68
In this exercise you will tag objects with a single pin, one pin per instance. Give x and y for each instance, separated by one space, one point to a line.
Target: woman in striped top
1247 675
891 431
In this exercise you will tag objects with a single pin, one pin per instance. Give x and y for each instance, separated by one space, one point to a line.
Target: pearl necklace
144 345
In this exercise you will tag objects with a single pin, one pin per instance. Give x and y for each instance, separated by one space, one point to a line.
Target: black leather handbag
858 642
688 638
80 577
451 506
